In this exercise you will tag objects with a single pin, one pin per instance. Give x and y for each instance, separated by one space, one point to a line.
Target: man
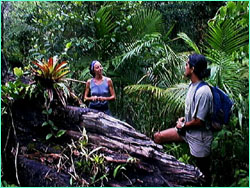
195 127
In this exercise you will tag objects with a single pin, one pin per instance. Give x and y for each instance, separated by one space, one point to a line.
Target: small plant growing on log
122 167
118 169
54 129
81 160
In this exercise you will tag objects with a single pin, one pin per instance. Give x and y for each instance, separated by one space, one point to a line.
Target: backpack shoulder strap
202 83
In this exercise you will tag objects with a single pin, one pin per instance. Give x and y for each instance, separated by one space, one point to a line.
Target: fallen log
37 174
121 138
130 158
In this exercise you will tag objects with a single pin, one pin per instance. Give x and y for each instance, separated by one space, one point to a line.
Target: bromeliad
51 70
51 75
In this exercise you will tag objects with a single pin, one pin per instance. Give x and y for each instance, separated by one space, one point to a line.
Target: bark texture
120 140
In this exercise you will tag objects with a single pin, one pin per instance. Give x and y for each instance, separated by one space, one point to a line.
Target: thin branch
127 178
12 123
46 175
7 140
17 148
73 80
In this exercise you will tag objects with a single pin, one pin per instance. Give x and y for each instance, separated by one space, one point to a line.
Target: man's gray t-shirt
199 138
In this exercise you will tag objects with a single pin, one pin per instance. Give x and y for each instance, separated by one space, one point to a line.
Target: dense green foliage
143 47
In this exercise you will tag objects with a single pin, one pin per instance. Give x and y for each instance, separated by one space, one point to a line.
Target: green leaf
129 27
51 122
60 133
231 7
4 183
18 72
45 123
48 136
189 42
54 127
68 45
50 111
223 11
117 169
71 181
45 112
113 39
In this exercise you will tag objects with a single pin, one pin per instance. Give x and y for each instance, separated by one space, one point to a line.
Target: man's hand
180 122
157 137
181 119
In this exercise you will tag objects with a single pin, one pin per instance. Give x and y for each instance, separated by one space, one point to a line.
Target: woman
100 87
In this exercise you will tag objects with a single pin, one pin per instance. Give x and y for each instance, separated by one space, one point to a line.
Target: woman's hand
101 98
94 98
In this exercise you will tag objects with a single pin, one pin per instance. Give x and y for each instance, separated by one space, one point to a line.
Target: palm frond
147 41
225 73
136 48
145 21
227 36
172 99
167 71
189 42
140 90
104 21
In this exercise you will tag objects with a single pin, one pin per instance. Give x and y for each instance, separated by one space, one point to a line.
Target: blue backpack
222 106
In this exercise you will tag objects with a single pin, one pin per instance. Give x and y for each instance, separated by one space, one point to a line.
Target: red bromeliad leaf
61 65
43 67
40 66
50 66
50 62
51 72
62 74
58 73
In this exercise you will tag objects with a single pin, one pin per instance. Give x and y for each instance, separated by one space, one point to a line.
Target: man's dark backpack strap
202 83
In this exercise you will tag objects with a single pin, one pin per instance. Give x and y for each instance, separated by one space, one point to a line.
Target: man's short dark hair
199 63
